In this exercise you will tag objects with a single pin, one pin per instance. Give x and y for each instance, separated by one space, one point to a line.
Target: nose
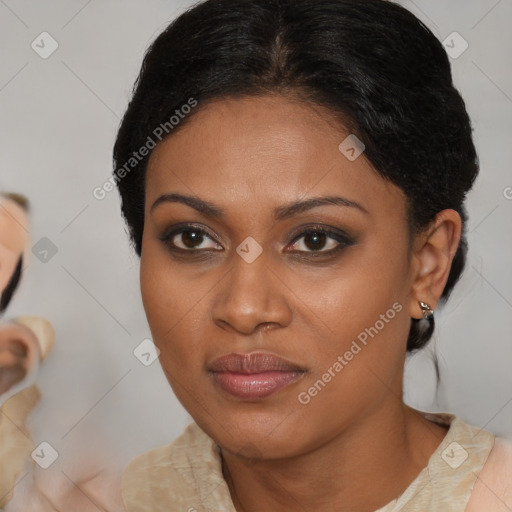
251 297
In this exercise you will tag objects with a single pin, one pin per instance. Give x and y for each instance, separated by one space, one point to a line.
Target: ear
433 253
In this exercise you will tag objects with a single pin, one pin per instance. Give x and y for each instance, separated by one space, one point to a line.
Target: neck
362 469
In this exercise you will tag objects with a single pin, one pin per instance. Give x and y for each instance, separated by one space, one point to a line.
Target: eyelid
330 230
177 229
339 235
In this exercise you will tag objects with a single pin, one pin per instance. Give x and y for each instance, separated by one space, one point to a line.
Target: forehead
258 151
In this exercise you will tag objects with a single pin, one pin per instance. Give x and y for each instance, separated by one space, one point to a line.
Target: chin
255 433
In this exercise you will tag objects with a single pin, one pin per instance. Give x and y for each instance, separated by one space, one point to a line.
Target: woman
293 175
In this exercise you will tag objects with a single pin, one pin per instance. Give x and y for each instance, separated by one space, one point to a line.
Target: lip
254 375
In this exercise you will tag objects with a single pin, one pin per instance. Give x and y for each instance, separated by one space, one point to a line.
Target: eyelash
339 236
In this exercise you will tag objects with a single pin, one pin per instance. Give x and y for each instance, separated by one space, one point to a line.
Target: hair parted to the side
372 64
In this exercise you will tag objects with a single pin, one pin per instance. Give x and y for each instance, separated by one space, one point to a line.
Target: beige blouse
186 475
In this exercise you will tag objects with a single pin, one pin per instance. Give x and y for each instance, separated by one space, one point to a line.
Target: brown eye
315 240
189 239
320 241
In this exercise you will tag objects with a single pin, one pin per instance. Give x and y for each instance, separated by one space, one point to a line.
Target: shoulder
493 488
191 443
169 472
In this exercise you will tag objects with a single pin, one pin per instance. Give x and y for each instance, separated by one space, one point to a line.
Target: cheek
359 316
174 305
359 358
366 325
354 295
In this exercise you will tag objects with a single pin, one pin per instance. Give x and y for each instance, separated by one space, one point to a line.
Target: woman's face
253 280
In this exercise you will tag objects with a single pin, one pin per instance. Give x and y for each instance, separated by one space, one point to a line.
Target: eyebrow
280 213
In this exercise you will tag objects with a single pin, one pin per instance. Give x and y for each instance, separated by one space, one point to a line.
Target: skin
249 156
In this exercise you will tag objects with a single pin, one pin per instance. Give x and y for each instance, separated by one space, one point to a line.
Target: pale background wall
58 121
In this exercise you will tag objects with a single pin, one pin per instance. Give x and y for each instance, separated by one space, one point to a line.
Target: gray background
58 121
